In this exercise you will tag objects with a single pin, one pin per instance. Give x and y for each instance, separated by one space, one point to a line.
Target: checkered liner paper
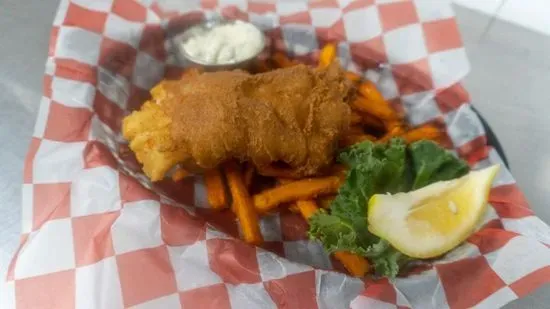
95 236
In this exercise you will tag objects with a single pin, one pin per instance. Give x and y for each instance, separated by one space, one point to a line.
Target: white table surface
509 84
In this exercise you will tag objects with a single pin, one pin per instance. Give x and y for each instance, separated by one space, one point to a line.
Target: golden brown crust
294 115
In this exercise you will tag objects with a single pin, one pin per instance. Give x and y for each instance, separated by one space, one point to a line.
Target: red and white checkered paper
95 236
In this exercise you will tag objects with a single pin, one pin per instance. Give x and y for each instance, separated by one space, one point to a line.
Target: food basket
97 234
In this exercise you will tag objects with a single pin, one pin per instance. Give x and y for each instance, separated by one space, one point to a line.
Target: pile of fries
231 185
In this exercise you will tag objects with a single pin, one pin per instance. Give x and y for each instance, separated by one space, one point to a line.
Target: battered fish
287 120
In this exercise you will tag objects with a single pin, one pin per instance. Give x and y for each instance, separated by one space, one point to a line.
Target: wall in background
531 14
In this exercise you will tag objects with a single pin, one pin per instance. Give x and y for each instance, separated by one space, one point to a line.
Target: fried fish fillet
292 117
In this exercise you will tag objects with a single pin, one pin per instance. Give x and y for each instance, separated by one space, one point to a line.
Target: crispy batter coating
293 116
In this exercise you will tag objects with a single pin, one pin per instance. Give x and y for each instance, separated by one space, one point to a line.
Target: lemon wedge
432 220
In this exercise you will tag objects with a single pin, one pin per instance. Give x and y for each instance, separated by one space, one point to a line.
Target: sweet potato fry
282 61
424 132
242 203
396 131
248 176
392 124
369 91
215 188
297 190
327 55
353 77
357 265
379 109
307 208
294 208
372 122
179 174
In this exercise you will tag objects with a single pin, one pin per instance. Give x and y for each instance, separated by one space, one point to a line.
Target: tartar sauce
225 43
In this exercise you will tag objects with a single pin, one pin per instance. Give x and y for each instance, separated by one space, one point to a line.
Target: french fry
380 109
391 124
242 204
353 77
297 190
215 188
294 208
179 174
355 118
248 176
424 132
368 90
372 122
378 105
282 61
396 131
327 55
357 265
307 208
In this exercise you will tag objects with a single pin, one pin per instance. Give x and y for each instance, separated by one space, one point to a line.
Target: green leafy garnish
373 169
433 164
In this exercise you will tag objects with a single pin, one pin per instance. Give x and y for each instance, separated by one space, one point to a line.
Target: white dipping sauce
224 43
